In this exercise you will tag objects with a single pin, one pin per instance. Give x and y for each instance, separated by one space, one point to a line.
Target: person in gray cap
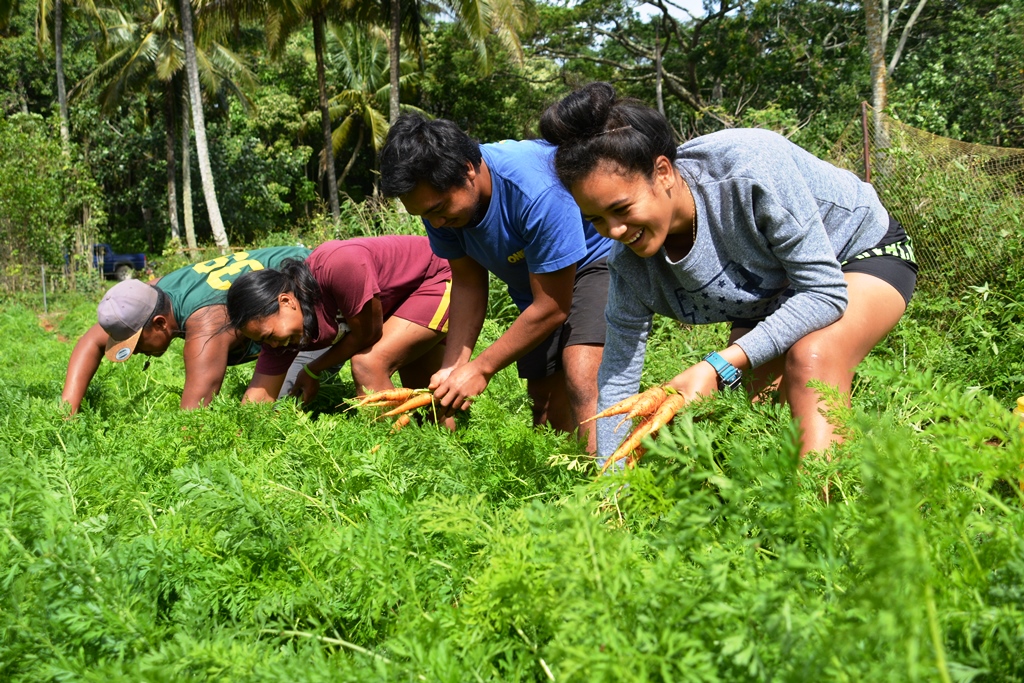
139 318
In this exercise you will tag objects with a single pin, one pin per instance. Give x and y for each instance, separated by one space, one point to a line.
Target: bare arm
552 299
263 388
364 330
467 310
85 360
208 341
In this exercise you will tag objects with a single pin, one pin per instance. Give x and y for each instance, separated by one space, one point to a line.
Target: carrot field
263 543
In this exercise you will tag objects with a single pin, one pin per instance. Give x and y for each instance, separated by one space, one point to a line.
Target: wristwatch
728 375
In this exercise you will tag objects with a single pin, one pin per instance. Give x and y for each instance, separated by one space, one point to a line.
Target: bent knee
370 363
809 359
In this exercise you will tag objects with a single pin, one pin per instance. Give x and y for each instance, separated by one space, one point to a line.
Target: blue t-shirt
532 224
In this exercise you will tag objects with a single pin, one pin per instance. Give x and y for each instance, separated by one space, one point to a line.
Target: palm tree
478 18
362 60
282 18
146 54
220 237
319 22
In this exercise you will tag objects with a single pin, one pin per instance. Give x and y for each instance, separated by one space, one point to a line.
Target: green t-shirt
206 284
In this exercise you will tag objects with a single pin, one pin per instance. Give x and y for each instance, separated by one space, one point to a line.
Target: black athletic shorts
585 324
891 260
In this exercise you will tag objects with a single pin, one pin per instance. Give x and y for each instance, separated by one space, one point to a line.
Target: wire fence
961 203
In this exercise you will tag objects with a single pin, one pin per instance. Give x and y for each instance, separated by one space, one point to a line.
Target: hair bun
581 114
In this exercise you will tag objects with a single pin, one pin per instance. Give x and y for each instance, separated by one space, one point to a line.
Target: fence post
42 270
867 141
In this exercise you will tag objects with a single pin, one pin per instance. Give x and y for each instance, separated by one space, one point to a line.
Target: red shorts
428 305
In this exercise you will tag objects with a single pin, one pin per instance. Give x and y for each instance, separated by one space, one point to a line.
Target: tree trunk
22 96
658 97
876 51
395 54
186 183
172 190
220 236
147 222
62 93
325 116
352 159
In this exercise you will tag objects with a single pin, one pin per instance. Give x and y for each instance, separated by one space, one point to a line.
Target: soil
48 325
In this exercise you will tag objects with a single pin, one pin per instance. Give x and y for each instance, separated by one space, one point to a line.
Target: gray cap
122 314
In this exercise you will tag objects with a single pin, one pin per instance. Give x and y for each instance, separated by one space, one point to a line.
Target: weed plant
266 543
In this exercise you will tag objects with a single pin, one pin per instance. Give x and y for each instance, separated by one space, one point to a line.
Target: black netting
961 203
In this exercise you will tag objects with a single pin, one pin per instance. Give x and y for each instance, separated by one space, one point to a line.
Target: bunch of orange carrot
655 408
402 402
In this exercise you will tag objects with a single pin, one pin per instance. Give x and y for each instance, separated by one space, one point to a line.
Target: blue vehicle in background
117 266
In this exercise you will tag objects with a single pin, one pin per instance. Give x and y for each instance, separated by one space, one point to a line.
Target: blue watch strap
727 372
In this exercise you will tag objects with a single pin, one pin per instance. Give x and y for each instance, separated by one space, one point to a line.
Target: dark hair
592 125
419 149
253 296
163 307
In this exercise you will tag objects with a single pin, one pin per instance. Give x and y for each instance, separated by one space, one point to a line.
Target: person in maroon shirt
380 301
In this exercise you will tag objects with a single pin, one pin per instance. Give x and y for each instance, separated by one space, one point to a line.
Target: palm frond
44 8
169 60
120 28
349 98
103 73
341 134
232 66
378 124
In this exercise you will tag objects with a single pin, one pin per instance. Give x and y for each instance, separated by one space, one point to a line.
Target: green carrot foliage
264 543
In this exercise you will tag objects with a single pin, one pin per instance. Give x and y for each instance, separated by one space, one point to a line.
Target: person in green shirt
136 317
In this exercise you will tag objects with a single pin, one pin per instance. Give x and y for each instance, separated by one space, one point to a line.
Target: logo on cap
122 354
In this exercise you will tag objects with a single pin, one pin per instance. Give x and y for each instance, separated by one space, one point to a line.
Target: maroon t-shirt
350 273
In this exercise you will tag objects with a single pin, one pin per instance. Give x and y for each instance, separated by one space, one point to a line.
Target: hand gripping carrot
661 417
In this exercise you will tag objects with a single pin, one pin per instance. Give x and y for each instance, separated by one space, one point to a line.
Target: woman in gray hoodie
738 226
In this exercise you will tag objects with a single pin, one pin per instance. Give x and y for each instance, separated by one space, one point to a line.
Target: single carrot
619 408
417 401
383 404
633 459
666 411
648 402
401 422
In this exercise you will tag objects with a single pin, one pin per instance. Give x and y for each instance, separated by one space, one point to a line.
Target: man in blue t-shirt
500 208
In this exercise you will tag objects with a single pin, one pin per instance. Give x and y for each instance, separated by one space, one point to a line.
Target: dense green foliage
796 66
257 543
985 39
42 195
